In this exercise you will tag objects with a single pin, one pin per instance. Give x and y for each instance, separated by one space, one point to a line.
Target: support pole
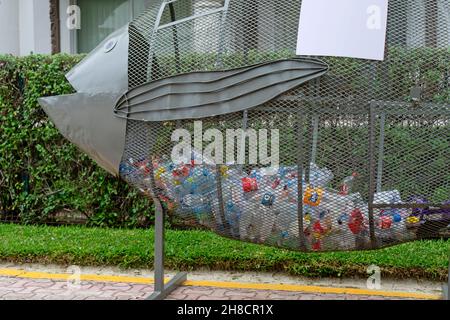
243 139
225 226
315 122
300 163
306 158
381 152
446 287
175 38
372 181
315 139
162 290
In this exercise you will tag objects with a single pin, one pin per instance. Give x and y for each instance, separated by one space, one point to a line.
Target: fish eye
110 45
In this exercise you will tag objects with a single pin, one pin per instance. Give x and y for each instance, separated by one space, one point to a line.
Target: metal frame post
315 121
173 17
225 225
381 152
162 290
300 163
446 287
372 179
315 138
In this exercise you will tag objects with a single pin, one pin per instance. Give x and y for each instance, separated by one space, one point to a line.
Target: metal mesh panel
370 140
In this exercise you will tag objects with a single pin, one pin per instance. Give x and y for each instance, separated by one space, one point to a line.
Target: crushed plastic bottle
249 184
347 184
232 211
313 196
131 172
320 177
356 221
286 220
197 205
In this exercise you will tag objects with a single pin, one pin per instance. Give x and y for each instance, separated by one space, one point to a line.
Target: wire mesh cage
364 150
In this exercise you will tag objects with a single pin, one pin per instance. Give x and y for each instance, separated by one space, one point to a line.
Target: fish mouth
206 94
85 118
87 121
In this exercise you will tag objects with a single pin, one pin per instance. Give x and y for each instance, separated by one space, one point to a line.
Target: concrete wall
26 22
9 27
42 26
25 27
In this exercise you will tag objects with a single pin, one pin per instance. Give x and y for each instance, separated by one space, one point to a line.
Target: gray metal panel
105 69
205 94
87 121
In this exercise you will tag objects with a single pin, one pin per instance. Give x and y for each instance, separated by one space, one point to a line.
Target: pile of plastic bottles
262 205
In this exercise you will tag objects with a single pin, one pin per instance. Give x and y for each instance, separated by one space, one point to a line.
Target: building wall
26 21
41 26
9 27
25 27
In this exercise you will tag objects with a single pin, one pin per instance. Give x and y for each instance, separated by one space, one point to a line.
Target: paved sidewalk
13 288
55 282
26 287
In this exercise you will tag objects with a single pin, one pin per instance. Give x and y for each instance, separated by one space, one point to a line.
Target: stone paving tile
240 294
44 289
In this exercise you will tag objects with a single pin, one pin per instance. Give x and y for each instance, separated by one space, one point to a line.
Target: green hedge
40 172
393 79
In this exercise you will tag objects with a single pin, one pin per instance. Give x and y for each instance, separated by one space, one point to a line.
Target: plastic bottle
131 173
249 219
144 166
313 196
249 184
356 221
320 177
232 209
125 169
346 238
233 216
233 200
190 203
204 181
263 198
290 188
165 180
252 214
318 232
347 184
285 220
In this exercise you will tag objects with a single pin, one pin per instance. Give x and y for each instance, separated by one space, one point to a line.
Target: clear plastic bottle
232 211
346 238
233 201
262 206
128 171
233 216
320 177
287 221
347 184
249 219
192 204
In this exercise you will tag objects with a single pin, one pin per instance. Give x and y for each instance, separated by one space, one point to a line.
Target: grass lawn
188 250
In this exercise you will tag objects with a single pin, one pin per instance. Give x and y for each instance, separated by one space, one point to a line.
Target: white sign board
343 28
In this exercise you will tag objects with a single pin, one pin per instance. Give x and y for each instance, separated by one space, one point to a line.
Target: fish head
105 69
86 117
